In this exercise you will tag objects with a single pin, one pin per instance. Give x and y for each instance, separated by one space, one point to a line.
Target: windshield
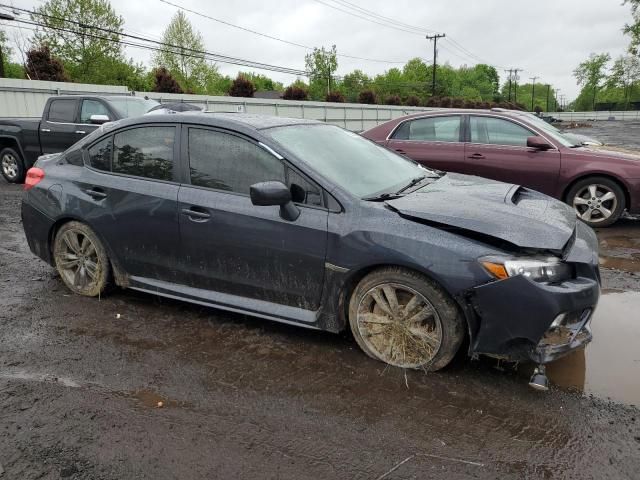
550 129
354 163
132 106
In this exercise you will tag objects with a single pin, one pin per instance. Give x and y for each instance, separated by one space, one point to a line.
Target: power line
178 49
271 37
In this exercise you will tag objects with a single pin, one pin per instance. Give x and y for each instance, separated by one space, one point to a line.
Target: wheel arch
607 175
8 141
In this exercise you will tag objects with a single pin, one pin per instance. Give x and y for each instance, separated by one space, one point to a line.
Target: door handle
196 214
45 130
400 151
80 132
96 193
476 156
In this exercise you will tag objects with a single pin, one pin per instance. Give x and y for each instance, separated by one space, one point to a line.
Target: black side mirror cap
274 193
538 143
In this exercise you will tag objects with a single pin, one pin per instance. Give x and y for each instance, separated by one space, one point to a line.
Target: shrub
393 100
367 96
164 82
242 87
412 101
433 102
457 102
445 102
294 92
337 97
42 66
538 109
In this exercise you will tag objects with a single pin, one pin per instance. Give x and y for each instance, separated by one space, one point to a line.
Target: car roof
458 111
233 120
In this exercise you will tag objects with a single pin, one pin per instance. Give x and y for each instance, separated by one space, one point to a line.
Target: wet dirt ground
134 386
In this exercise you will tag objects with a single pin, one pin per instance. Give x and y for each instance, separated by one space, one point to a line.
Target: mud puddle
609 367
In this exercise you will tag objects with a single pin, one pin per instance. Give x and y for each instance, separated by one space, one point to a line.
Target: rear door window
498 131
227 162
145 152
431 129
100 154
63 111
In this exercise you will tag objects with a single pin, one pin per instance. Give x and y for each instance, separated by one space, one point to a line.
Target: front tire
404 319
598 201
11 165
81 259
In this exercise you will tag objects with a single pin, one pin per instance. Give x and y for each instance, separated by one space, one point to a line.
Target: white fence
26 98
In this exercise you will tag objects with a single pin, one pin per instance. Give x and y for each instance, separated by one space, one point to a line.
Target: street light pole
533 90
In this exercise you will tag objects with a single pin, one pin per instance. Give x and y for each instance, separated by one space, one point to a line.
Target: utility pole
556 97
510 72
515 86
533 89
548 90
435 56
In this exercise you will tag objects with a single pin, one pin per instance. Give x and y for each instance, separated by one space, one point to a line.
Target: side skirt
232 303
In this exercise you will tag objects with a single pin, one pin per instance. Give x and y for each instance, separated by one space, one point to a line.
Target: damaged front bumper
520 319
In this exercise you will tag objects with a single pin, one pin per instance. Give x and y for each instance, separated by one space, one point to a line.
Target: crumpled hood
505 211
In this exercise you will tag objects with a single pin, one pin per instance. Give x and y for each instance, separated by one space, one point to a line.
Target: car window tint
227 162
63 110
302 189
145 152
496 131
92 107
432 129
100 154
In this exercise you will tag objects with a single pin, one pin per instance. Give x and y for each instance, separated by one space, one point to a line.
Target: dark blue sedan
306 223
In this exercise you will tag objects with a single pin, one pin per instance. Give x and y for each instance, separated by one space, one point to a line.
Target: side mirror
538 143
274 193
99 119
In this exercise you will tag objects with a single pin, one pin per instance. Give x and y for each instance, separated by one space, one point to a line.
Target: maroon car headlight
547 269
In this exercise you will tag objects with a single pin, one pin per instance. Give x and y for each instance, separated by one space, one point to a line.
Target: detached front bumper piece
520 319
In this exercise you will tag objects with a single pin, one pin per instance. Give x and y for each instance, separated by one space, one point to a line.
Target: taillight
34 176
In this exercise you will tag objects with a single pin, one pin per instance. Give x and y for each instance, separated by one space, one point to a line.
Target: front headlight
548 270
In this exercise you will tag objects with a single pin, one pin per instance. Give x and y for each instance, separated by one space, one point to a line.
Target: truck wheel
80 259
598 201
404 319
11 165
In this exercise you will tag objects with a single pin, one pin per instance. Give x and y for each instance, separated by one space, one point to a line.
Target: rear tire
81 259
598 201
11 165
404 319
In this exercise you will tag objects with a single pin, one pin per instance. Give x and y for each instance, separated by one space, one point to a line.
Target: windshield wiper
412 183
381 196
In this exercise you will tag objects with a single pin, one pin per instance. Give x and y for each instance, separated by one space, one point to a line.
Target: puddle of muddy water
609 367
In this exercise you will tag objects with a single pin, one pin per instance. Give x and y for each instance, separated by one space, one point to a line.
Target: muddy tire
11 165
80 259
598 201
404 319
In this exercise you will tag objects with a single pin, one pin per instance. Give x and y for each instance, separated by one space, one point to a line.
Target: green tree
625 73
590 74
633 29
85 56
353 83
185 58
321 64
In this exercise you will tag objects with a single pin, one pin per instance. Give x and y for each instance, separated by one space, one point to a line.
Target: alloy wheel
77 260
10 166
399 325
595 203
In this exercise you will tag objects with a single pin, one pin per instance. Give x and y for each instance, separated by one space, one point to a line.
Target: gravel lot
81 381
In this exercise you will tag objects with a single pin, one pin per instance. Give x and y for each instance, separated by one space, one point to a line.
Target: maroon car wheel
598 201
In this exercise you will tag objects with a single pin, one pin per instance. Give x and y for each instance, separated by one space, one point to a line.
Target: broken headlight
548 270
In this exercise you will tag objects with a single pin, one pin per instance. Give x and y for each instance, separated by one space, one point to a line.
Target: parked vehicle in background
306 223
520 148
65 120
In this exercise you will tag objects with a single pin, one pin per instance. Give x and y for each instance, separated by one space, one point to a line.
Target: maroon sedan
520 148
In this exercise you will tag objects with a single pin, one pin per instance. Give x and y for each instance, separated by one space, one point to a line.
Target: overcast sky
547 38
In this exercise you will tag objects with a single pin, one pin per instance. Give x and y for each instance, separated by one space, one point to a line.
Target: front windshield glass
354 163
132 106
550 129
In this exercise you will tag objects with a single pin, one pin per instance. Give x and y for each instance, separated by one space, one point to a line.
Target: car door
58 129
434 141
497 149
235 247
130 192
